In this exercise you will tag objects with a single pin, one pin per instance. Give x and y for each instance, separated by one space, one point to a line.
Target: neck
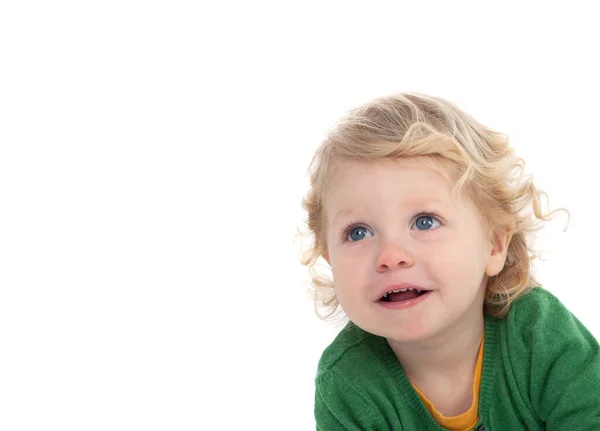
449 354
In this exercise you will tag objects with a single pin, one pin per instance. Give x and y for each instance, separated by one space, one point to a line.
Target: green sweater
541 371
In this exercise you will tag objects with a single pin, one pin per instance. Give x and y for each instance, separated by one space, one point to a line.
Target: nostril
401 264
392 256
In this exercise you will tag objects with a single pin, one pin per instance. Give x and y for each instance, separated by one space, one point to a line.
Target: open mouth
402 294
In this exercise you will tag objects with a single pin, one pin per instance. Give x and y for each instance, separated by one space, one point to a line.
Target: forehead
417 178
409 184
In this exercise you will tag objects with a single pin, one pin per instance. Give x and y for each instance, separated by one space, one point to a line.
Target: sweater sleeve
339 407
562 361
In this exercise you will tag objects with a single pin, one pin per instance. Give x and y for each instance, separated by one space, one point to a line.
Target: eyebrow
415 203
340 214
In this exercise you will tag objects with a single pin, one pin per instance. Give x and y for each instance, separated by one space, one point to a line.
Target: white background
152 161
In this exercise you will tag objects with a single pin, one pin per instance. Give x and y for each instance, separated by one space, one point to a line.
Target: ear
498 252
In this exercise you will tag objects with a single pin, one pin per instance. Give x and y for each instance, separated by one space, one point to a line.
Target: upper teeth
401 290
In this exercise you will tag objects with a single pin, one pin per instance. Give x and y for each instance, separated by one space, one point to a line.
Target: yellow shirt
468 419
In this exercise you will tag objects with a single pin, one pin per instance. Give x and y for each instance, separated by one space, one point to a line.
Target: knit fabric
541 371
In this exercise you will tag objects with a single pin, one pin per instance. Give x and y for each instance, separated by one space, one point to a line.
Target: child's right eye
356 233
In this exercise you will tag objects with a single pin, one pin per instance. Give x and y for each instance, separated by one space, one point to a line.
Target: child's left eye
426 222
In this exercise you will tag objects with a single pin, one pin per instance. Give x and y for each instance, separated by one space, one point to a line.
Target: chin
408 332
402 333
407 337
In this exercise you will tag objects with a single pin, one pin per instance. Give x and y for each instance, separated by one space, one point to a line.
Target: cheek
346 267
454 264
349 273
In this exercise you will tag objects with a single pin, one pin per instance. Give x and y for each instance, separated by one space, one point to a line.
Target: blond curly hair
482 163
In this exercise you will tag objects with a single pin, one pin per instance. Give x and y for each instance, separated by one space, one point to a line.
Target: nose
392 256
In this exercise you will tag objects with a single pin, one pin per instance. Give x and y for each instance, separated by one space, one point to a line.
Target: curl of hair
478 160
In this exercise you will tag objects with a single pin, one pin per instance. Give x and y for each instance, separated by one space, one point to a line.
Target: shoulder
536 301
350 344
554 360
352 387
537 307
535 314
356 381
539 317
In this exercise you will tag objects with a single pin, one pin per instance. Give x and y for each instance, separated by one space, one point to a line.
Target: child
425 217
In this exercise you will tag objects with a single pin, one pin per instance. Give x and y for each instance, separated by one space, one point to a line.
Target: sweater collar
488 376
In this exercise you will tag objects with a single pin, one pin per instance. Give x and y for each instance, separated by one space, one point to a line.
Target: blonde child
426 218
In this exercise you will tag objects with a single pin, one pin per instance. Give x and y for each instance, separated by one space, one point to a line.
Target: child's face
393 239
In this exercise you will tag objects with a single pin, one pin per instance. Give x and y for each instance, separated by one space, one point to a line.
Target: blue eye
357 233
426 222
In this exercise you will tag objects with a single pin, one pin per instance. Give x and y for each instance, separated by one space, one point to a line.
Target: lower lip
405 304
